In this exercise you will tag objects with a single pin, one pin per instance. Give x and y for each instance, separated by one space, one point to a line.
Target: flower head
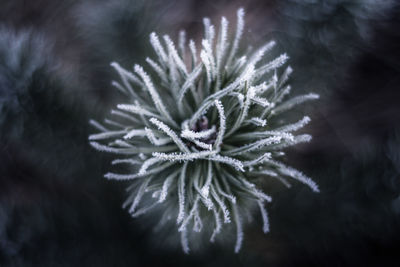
197 131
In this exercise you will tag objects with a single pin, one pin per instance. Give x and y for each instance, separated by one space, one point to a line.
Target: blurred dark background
57 210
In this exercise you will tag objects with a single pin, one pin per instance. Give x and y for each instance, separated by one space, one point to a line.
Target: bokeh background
57 210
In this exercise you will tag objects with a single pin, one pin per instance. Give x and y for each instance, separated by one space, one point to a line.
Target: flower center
201 125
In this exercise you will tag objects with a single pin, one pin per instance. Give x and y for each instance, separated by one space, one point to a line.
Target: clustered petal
196 132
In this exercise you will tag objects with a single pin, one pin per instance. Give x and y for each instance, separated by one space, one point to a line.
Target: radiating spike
238 35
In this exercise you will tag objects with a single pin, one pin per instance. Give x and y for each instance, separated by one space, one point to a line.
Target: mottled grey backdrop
57 210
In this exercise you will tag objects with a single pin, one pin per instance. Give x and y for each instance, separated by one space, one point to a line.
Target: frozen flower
196 130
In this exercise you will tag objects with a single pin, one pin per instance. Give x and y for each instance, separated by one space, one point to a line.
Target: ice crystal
196 132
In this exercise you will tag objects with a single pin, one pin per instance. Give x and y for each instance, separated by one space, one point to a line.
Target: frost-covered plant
198 135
